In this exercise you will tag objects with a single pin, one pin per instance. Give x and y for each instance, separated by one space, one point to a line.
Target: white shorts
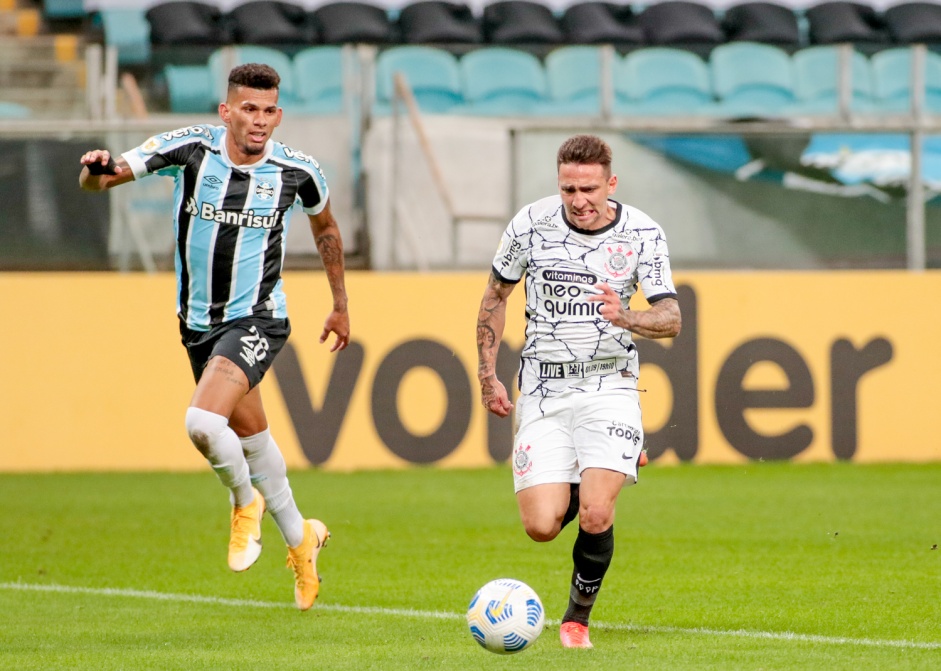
557 438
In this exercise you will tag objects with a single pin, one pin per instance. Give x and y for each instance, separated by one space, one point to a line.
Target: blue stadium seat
224 59
817 81
129 32
662 81
574 76
499 81
892 80
433 75
190 89
752 80
14 111
318 76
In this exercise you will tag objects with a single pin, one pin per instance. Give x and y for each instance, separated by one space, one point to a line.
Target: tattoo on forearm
330 248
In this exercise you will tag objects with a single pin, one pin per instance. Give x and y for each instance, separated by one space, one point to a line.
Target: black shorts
251 343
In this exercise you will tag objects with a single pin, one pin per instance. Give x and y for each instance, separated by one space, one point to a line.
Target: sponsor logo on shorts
522 462
254 347
576 369
625 431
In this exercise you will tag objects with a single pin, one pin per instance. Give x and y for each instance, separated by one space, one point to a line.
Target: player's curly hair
585 150
254 76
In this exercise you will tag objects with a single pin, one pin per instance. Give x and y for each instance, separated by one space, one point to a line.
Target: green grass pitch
763 566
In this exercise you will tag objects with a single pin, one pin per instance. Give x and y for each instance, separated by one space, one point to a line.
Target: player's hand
494 397
338 323
101 157
611 308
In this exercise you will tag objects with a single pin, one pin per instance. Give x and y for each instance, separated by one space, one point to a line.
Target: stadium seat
763 22
439 22
499 81
14 111
836 22
190 89
187 24
353 23
271 23
601 23
752 80
128 31
573 74
817 81
433 75
223 60
520 22
318 79
662 81
892 80
680 23
914 22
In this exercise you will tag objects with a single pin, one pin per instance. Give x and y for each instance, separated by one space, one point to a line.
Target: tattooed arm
490 322
662 320
330 245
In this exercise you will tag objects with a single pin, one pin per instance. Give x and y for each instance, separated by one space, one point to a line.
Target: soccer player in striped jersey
234 189
579 437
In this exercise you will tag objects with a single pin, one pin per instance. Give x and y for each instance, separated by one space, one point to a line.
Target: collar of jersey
597 231
269 147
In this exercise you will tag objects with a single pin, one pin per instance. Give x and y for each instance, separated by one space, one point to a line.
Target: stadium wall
801 366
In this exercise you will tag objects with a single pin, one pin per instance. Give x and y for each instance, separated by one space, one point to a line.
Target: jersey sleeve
512 257
313 191
166 152
653 268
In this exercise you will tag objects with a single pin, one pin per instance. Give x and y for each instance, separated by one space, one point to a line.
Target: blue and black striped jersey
230 222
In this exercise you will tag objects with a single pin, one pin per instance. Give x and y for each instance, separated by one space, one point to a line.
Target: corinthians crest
618 264
522 464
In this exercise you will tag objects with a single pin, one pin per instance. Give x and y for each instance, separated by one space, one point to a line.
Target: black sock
592 556
572 511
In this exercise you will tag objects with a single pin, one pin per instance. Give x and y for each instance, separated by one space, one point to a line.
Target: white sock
269 474
212 436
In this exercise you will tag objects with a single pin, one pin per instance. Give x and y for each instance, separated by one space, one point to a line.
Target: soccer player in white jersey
579 437
235 187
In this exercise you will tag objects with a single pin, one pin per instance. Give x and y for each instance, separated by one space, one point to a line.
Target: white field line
441 615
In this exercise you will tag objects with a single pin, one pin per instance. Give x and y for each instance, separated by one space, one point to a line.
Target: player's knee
542 530
203 426
595 518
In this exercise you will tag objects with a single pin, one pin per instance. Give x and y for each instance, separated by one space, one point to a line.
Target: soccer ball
505 616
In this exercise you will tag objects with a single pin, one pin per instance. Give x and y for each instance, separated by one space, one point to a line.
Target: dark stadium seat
187 24
763 22
354 22
601 23
680 23
439 22
272 23
914 22
835 22
520 22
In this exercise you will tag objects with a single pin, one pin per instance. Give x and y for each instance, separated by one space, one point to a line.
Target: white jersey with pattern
569 345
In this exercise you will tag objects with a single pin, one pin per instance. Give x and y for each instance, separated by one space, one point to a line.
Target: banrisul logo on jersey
563 294
248 219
